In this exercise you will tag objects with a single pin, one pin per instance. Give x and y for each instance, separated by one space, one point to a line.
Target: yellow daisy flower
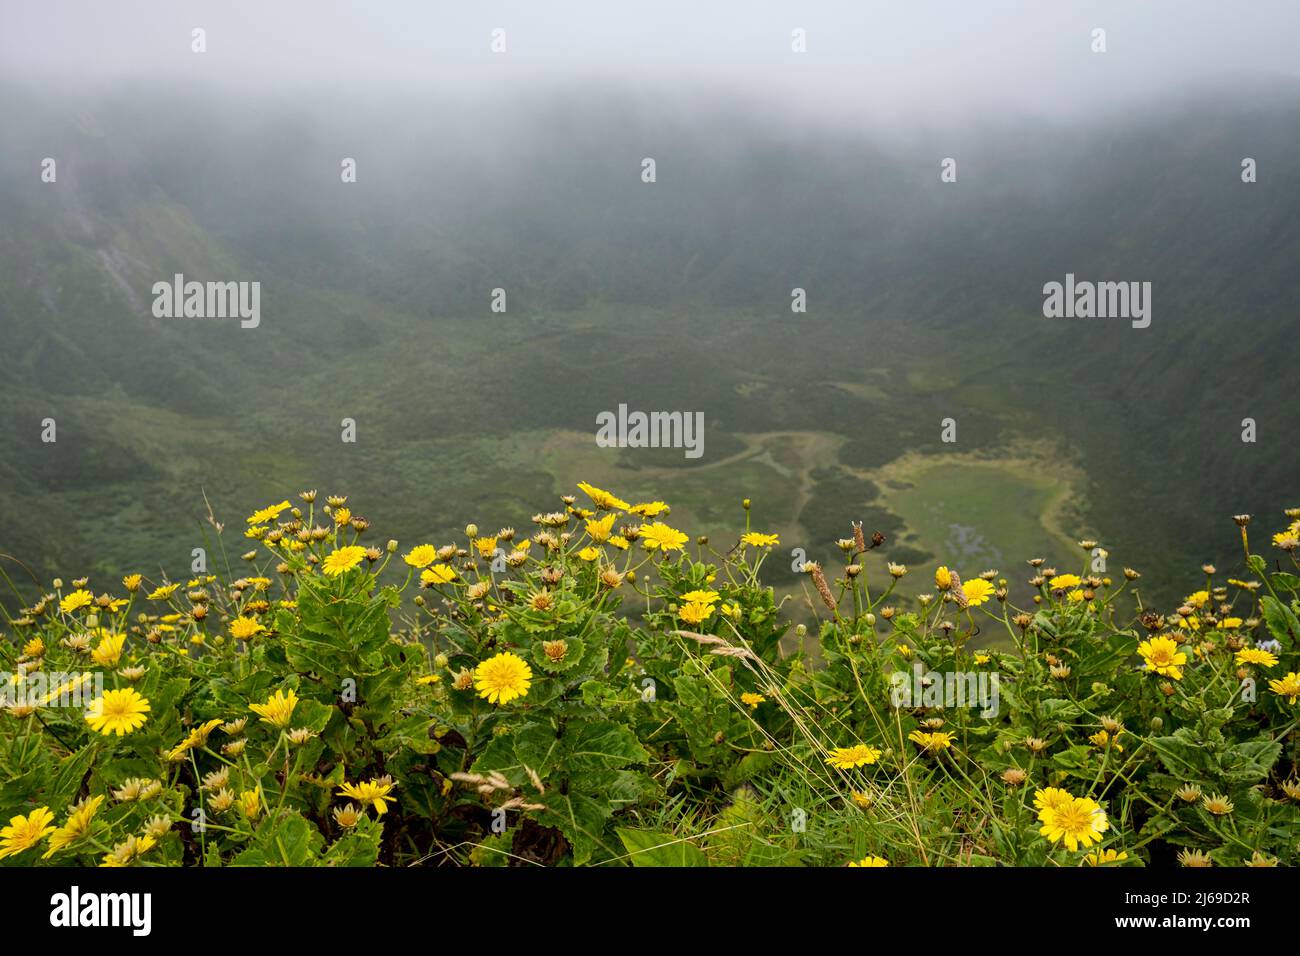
502 678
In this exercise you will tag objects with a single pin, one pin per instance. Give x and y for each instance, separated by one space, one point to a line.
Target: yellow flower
619 542
589 554
1049 799
501 679
599 528
760 540
374 792
1254 655
870 861
250 801
163 593
421 556
78 825
977 592
1288 687
648 509
117 712
695 612
752 700
267 514
1063 582
982 658
278 709
603 499
1104 740
1102 857
132 582
34 648
1163 656
342 516
659 536
76 601
932 742
197 737
943 578
242 628
486 546
701 597
24 832
846 758
438 574
1080 821
341 560
109 650
1229 622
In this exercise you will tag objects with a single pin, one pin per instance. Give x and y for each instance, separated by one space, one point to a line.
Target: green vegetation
600 690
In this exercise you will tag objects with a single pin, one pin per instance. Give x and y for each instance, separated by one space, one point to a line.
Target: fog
866 63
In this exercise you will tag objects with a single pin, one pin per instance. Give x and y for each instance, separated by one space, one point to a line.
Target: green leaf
653 848
1282 623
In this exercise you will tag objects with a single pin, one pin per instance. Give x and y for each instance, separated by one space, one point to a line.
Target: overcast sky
894 57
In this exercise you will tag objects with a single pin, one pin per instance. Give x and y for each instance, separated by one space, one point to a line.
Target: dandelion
278 709
127 852
347 816
117 712
341 560
1078 821
846 758
242 628
1163 656
76 601
1217 804
603 499
197 737
109 650
977 592
600 528
502 678
1050 799
374 792
250 802
1103 857
932 743
701 597
752 700
438 574
1288 687
24 832
658 536
695 612
421 556
1253 655
77 825
267 514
